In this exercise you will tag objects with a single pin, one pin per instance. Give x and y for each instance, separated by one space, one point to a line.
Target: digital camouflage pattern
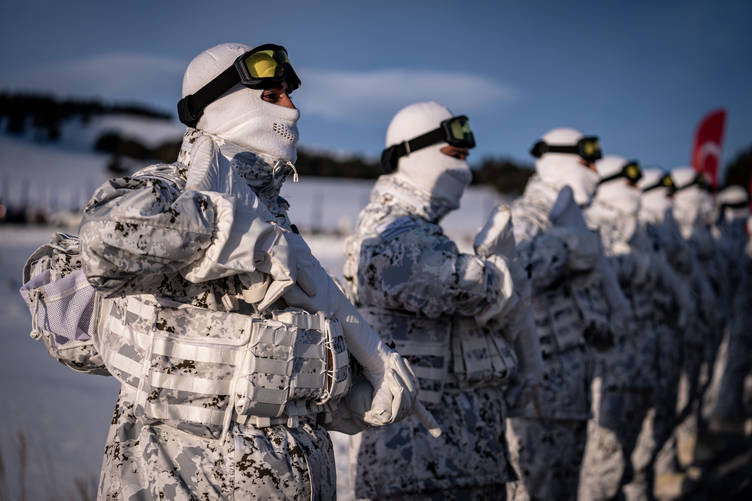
671 312
726 396
61 259
547 456
547 440
625 374
140 236
419 292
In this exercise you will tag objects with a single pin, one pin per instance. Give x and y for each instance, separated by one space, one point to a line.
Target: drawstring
277 168
36 332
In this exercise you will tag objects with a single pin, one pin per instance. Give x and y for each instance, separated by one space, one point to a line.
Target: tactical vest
199 369
193 368
446 353
557 322
587 292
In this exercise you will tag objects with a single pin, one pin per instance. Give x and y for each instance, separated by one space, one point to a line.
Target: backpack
62 304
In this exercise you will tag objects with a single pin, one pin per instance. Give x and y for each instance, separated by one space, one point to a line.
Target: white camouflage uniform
547 440
421 294
733 362
141 236
625 374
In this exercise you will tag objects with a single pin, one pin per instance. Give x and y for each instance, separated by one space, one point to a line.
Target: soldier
564 262
462 319
625 374
733 363
692 210
667 318
230 340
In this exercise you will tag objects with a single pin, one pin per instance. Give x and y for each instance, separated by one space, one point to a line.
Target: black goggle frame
631 171
665 181
586 148
391 155
699 180
191 107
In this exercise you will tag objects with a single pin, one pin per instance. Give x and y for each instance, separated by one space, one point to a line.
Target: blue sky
639 74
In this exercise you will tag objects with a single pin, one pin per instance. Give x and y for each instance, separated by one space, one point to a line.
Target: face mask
441 177
690 203
621 195
656 203
243 118
565 170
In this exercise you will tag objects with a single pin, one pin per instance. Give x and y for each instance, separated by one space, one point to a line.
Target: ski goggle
665 181
587 148
264 67
699 180
455 131
631 172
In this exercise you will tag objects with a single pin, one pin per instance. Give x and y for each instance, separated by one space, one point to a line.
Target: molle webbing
172 360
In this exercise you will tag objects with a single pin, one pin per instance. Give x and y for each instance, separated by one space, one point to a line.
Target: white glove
394 382
348 417
497 235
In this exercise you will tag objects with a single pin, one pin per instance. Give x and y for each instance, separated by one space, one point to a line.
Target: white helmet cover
240 116
561 169
439 176
617 192
693 203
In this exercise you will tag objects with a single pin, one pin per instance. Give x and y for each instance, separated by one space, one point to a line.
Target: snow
150 132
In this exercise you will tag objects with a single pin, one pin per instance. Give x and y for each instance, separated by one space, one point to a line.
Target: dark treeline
44 114
739 170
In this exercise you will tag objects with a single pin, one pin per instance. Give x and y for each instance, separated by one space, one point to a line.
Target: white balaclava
655 201
617 192
240 116
732 196
693 204
439 176
562 169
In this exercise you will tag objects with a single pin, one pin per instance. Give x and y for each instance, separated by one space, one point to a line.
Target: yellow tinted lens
261 64
460 128
668 182
633 172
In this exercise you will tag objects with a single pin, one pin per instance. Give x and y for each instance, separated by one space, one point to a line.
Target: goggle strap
191 107
612 177
557 148
406 147
694 182
659 184
621 173
735 205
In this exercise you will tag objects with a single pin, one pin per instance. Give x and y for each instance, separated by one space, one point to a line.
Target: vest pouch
481 357
61 302
198 369
587 293
423 341
557 323
303 353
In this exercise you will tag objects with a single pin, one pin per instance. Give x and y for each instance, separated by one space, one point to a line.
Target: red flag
706 153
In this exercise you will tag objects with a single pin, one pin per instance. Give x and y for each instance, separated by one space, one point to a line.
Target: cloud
375 95
117 76
349 96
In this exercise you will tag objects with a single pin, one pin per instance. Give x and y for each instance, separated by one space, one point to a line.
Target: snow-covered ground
63 415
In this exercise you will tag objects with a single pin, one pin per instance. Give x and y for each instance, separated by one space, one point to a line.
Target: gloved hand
349 414
394 382
247 241
497 235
